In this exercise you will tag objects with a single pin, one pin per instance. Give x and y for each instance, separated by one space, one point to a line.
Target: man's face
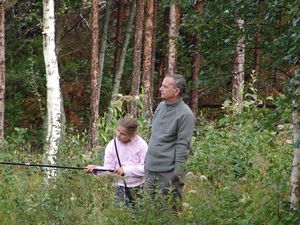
168 91
122 134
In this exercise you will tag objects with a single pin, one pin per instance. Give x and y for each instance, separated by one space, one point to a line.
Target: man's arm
185 131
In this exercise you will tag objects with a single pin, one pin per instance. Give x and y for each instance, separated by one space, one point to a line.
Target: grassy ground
239 174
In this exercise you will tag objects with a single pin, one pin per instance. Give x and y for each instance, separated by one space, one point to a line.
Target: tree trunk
95 95
59 27
2 68
161 74
119 72
104 43
194 97
147 65
138 39
119 34
258 40
154 49
173 33
196 67
238 70
295 176
281 20
163 57
53 86
277 74
257 50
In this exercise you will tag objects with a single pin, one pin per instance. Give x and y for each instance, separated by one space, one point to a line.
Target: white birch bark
53 87
238 70
295 176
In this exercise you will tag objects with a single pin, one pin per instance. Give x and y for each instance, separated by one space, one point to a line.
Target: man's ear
177 91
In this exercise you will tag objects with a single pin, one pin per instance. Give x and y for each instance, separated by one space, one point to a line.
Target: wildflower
186 205
190 174
280 127
202 177
244 198
73 197
192 191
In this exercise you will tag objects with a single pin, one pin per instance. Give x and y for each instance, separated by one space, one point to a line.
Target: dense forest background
269 43
241 62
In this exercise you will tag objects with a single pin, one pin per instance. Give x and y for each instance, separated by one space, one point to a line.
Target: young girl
125 155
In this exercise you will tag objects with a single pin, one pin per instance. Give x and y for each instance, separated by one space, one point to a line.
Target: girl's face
122 134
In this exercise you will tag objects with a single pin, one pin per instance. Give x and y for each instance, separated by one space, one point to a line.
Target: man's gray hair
179 82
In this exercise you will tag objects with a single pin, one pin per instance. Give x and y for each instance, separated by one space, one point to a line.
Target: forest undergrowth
239 173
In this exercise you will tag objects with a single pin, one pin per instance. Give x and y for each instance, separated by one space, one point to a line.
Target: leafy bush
239 174
244 160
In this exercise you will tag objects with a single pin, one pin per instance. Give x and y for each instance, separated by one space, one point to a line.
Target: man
125 155
172 129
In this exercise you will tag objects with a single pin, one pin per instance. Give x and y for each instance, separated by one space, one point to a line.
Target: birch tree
295 83
54 96
147 61
173 33
137 54
2 67
238 68
295 176
95 93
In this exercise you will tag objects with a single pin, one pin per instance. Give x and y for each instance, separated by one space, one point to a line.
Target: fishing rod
53 166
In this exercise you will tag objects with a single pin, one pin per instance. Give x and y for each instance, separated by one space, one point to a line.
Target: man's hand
180 170
120 171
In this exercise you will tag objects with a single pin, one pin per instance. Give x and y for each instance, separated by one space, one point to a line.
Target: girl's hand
90 168
120 171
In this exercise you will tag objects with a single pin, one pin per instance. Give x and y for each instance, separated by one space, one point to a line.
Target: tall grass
239 174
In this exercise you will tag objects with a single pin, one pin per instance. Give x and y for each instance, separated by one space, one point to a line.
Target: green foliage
242 166
240 169
276 21
23 140
214 30
118 110
25 78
